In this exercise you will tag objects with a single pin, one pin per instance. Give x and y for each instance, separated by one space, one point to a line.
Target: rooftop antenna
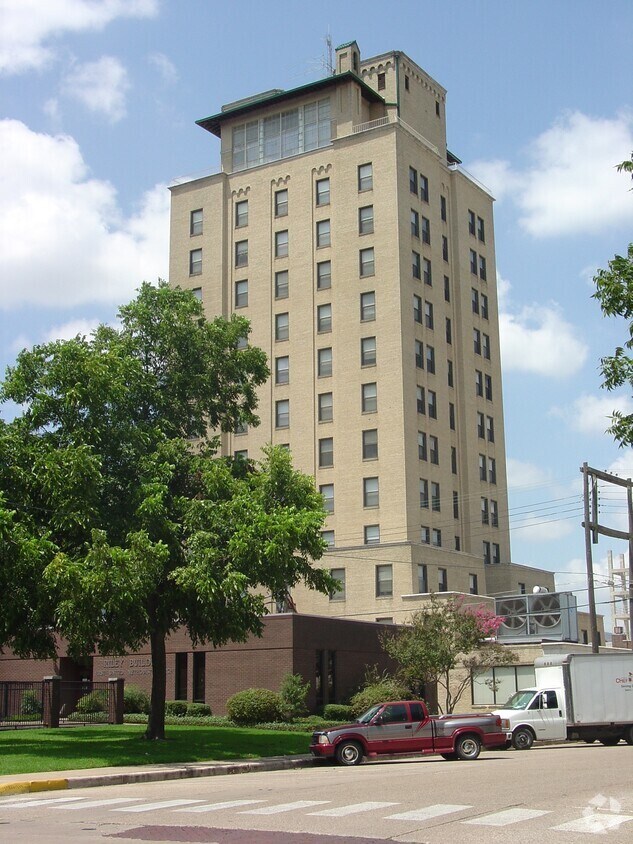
329 61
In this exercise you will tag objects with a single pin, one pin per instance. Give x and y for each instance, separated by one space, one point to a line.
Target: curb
279 763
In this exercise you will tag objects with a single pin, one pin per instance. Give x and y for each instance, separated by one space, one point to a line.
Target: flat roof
213 123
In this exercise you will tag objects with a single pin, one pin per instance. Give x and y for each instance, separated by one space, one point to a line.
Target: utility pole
593 528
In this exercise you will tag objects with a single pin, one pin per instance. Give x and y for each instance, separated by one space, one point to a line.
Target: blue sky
99 99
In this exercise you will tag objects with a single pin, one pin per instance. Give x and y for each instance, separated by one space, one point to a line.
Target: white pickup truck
577 697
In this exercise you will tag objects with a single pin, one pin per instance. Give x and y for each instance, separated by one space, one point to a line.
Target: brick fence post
115 700
52 700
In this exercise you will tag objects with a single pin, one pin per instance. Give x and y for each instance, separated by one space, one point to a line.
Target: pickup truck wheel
349 753
450 757
628 735
467 747
522 739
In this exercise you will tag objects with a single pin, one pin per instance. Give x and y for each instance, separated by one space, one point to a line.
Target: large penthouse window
282 135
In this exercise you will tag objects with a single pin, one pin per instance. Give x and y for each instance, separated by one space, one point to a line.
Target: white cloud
63 237
165 67
539 340
69 330
100 86
590 414
523 475
28 26
571 184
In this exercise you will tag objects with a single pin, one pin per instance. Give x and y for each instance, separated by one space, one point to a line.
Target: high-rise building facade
363 255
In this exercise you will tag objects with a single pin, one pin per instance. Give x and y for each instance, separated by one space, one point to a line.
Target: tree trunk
156 720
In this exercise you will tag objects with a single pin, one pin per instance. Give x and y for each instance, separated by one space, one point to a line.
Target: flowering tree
444 636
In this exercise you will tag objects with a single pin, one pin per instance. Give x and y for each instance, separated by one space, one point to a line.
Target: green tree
444 636
614 291
139 527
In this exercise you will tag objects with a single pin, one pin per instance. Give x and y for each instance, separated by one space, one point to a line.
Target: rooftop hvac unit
543 615
514 612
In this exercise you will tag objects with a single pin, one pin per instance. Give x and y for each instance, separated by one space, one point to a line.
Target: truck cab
534 714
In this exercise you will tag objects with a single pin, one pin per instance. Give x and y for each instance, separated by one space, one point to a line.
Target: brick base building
331 654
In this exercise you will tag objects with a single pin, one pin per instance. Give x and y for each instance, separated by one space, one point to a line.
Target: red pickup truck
406 727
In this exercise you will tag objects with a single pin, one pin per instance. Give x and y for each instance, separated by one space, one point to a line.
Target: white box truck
578 697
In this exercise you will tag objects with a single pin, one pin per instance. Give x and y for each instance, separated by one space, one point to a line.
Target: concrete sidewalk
59 780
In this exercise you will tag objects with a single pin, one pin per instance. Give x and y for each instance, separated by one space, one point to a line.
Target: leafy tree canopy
120 522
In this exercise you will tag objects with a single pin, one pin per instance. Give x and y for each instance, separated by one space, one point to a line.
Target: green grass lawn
30 751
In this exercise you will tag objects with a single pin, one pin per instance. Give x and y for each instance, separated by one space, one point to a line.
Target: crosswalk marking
428 812
27 804
352 809
508 816
96 804
597 824
215 807
285 807
161 804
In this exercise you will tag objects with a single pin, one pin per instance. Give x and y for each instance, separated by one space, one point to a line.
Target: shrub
253 706
31 703
176 707
293 694
387 688
92 702
198 710
337 712
135 700
93 717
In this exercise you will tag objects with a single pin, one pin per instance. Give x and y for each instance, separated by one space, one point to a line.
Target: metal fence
54 702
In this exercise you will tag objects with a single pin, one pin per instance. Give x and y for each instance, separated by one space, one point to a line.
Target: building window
415 223
282 370
424 494
488 383
281 285
425 535
422 447
419 354
241 253
371 534
323 233
496 558
447 289
420 399
473 262
434 450
406 83
324 275
442 580
481 432
485 514
486 346
490 429
424 188
368 351
481 234
493 687
282 413
453 460
416 268
282 327
443 214
423 579
328 537
281 244
413 180
494 513
241 294
195 222
435 496
458 544
471 222
241 454
323 192
326 412
369 398
326 452
474 298
426 230
428 315
327 493
482 268
430 359
444 247
338 594
366 219
484 306
366 262
417 308
241 213
492 470
482 467
324 318
197 292
522 590
432 399
477 341
449 373
455 504
368 306
370 492
479 383
426 271
449 332
324 362
365 177
181 676
381 82
451 416
281 203
195 262
472 584
370 444
486 552
384 581
242 343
